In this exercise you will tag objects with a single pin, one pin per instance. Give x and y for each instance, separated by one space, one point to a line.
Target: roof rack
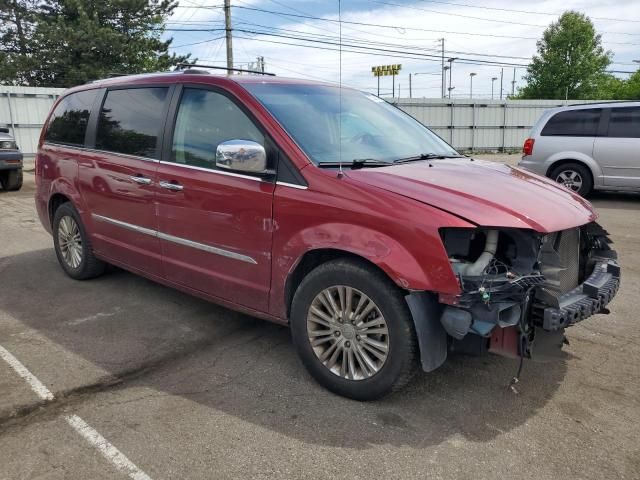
189 66
602 102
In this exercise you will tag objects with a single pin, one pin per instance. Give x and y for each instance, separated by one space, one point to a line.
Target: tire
11 180
66 238
568 173
401 360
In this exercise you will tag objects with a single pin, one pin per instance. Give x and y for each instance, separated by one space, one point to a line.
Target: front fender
382 250
423 267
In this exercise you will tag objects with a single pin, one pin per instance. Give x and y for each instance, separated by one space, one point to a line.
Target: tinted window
204 120
625 122
130 121
69 120
576 123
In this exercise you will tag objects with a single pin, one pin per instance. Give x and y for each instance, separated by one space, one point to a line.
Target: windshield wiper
357 163
426 156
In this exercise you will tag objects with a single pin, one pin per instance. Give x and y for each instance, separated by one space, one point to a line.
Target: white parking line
108 451
92 318
36 385
111 453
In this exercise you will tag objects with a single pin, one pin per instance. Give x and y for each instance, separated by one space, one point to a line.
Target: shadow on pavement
248 368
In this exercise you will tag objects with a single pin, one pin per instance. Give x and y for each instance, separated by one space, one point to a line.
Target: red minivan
320 207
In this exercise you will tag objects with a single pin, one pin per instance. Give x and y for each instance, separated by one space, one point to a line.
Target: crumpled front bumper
587 299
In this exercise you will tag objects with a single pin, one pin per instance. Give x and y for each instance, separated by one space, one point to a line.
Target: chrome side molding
178 240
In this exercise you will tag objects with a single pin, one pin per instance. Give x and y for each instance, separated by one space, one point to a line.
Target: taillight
527 148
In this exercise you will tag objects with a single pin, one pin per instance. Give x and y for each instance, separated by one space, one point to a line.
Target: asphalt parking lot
185 389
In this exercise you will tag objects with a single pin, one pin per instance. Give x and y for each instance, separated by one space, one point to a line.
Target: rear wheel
72 245
353 330
575 177
11 180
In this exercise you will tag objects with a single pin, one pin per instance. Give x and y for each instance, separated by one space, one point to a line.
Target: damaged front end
520 289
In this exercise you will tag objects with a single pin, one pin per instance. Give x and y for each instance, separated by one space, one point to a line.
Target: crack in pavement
43 410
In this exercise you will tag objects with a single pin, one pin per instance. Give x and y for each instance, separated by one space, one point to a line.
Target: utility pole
409 85
227 27
451 60
471 75
493 80
444 71
501 78
513 83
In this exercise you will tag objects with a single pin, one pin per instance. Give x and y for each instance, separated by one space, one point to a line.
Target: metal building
23 110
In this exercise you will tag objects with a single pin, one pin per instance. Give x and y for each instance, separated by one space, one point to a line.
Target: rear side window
68 123
625 122
573 123
130 121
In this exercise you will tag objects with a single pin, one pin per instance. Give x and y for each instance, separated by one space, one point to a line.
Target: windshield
364 127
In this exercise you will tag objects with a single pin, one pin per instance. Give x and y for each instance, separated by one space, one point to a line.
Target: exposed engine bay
520 287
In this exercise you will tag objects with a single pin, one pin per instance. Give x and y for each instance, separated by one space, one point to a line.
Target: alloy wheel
570 179
70 241
348 332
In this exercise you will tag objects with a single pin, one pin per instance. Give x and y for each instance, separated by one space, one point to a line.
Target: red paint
389 216
504 341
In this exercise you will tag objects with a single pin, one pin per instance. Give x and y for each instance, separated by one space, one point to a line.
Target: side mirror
242 156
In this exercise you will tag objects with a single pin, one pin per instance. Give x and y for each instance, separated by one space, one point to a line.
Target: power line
392 27
525 11
197 43
396 27
377 49
458 14
372 42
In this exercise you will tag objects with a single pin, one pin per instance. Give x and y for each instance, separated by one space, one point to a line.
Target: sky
475 33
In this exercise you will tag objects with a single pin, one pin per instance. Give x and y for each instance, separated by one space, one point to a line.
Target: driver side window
205 119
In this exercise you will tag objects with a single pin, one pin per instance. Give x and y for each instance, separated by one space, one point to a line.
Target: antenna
340 172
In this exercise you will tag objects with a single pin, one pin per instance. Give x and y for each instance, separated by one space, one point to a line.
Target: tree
570 62
631 87
17 23
76 41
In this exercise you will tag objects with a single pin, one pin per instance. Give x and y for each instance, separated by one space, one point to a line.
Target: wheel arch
62 190
55 201
593 169
314 258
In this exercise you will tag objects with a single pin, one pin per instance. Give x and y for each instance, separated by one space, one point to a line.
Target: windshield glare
361 126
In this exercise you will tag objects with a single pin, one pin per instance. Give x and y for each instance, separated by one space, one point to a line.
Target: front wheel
353 330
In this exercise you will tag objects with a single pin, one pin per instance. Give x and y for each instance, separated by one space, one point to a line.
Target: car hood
485 193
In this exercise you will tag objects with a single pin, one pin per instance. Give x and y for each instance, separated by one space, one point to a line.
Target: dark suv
10 162
323 208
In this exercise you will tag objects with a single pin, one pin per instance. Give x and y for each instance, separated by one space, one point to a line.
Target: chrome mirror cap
241 156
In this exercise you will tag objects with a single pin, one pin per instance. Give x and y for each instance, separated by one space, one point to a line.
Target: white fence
479 125
23 110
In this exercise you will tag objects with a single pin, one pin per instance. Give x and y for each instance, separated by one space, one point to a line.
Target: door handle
140 179
176 187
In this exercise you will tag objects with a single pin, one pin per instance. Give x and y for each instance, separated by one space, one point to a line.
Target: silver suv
587 147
